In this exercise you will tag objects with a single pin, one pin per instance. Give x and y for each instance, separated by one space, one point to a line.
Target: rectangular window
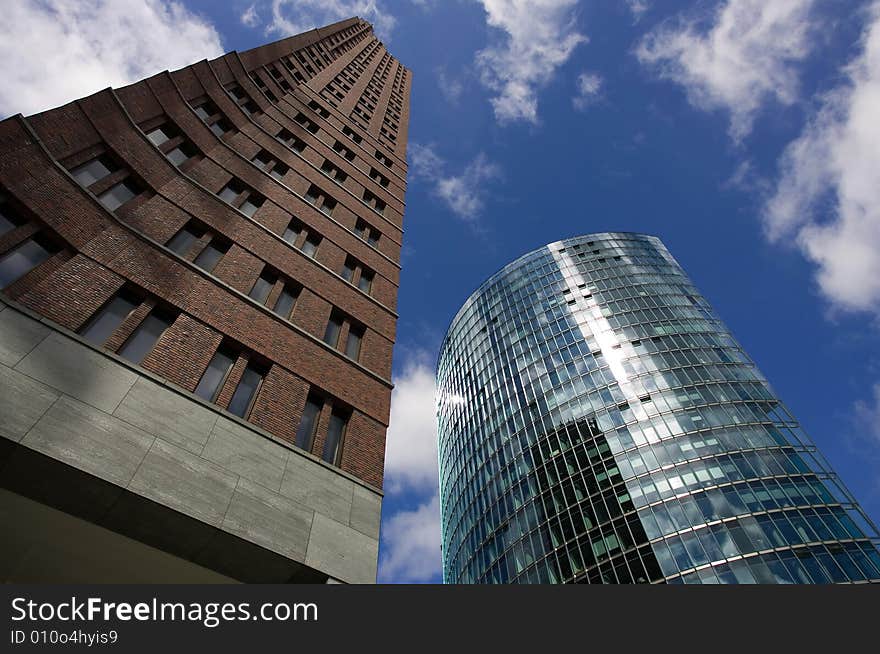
292 231
353 344
215 374
335 436
344 151
159 135
94 170
182 153
145 337
374 202
350 133
314 106
263 286
303 120
246 392
320 200
365 282
24 258
348 269
102 325
332 171
211 255
286 301
243 100
385 161
379 177
118 194
366 232
213 118
308 424
251 204
291 141
242 197
265 162
221 127
334 327
182 241
231 191
310 246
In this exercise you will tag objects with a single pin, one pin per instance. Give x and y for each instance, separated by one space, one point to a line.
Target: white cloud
538 37
250 18
411 545
411 450
55 51
463 193
411 538
749 55
589 89
828 196
296 16
450 87
638 8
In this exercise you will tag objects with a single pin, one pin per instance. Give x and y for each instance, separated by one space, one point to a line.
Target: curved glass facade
599 424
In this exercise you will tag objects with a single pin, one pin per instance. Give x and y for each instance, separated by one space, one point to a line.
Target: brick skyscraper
199 275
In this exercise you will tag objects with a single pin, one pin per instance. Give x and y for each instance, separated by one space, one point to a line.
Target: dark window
379 177
263 286
374 202
264 161
102 325
350 133
211 255
94 170
303 120
243 100
332 171
286 301
145 337
243 398
367 233
118 194
314 106
182 153
231 191
385 161
353 344
182 241
320 200
159 135
344 151
292 231
250 205
23 259
215 374
365 283
9 218
221 127
348 269
335 436
305 434
334 327
291 141
310 246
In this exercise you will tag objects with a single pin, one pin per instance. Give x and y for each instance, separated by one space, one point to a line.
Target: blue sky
742 132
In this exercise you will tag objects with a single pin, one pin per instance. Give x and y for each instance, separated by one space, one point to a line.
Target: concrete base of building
112 474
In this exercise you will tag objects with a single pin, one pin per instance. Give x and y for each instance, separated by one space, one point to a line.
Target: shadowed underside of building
199 275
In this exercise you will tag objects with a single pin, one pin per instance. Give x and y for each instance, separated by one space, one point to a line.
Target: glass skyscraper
599 424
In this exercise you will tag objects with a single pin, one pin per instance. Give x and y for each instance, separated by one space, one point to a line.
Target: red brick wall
102 251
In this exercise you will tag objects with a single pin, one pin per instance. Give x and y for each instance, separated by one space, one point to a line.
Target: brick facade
292 87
